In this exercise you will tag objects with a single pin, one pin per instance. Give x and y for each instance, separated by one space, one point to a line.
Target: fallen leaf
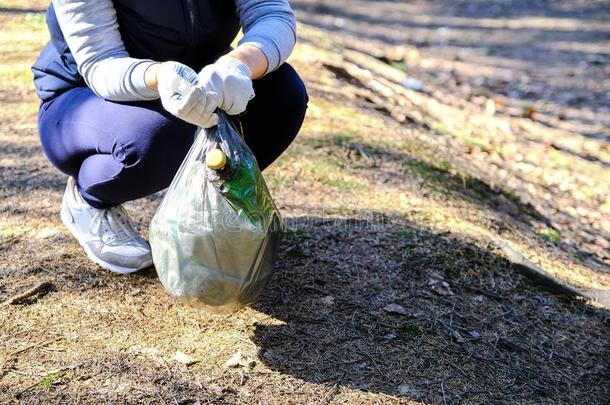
442 288
184 358
439 285
395 309
235 359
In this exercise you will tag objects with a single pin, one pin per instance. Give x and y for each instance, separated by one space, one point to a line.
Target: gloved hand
230 79
180 95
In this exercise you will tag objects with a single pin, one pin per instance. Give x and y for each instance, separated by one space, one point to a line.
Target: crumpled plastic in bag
215 235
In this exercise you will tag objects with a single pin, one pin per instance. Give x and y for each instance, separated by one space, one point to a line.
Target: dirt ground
393 284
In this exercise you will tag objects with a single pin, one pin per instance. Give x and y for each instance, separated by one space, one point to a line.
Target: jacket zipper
193 22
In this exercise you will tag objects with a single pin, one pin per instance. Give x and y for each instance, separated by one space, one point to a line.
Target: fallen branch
40 290
380 92
536 273
393 78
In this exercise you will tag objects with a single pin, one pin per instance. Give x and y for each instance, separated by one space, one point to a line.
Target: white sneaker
108 236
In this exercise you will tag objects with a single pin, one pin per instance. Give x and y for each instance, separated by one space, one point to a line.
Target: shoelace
119 223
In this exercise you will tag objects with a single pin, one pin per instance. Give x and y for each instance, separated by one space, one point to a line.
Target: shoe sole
108 266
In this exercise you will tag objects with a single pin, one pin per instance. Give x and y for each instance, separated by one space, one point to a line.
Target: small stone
184 358
442 289
413 84
59 381
439 285
234 360
395 309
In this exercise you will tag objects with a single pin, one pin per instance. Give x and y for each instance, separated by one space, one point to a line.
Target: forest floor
447 205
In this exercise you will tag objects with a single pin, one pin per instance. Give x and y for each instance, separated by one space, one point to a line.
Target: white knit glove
230 79
180 95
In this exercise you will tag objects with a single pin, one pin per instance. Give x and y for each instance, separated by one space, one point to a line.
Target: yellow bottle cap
216 159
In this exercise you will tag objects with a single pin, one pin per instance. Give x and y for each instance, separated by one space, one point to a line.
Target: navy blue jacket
194 32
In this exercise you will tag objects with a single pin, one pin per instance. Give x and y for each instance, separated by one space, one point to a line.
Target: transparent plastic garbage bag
215 235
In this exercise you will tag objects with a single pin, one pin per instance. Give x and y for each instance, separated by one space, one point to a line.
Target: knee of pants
295 93
151 160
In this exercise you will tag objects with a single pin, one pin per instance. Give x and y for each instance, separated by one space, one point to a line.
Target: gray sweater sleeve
91 31
269 25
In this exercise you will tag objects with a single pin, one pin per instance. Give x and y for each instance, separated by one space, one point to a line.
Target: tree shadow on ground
382 305
460 186
453 184
28 177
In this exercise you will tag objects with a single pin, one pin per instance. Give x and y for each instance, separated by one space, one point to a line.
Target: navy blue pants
123 151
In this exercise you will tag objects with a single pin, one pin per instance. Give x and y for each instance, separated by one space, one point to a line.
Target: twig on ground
495 316
61 369
8 364
23 391
40 289
36 346
443 391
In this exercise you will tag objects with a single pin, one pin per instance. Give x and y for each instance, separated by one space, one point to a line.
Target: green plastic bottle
237 184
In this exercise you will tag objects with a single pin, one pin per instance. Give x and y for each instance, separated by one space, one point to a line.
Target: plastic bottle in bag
215 235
